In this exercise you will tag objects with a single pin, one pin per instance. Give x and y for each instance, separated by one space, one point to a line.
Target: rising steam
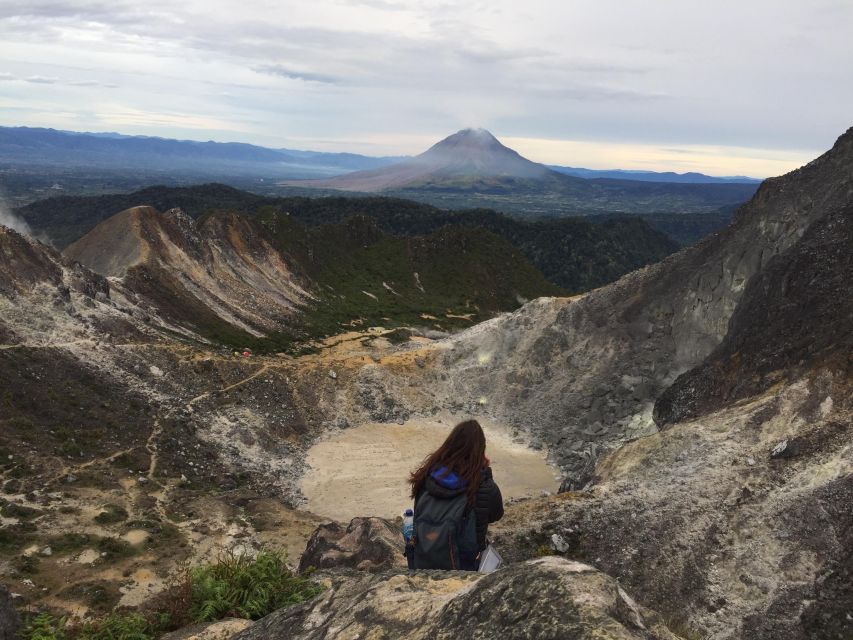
7 218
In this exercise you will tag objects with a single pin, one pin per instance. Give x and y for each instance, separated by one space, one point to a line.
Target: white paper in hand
490 560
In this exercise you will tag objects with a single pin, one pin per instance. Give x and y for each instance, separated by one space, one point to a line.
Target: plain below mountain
473 162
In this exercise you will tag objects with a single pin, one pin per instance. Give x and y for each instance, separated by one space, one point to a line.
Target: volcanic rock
547 599
367 544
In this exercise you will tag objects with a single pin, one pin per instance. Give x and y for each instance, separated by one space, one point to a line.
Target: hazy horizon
750 88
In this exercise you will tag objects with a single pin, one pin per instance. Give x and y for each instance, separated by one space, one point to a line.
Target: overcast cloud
749 87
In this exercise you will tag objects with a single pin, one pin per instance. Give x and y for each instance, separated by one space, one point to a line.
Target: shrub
240 586
235 585
20 511
44 627
114 626
28 565
111 514
123 626
115 549
14 537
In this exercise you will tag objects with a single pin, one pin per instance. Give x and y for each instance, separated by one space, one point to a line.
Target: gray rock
786 449
10 621
367 544
546 599
558 543
218 630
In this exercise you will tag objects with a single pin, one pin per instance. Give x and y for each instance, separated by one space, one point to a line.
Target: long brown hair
463 452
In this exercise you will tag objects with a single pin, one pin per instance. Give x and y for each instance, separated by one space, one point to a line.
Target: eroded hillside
699 410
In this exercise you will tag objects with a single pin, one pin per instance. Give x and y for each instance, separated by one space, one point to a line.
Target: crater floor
362 471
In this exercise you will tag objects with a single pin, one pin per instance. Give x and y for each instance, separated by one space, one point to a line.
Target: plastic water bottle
408 525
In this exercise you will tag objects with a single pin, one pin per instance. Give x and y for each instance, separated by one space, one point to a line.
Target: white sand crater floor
362 471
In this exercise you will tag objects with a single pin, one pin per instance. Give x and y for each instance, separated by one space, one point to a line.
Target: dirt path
362 471
152 448
54 345
263 369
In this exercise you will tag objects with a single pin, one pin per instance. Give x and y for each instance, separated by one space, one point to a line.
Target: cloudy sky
751 87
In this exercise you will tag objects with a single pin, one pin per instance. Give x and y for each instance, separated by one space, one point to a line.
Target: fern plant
241 586
44 626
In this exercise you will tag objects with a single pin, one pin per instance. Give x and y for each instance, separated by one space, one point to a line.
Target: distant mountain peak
480 139
475 133
465 157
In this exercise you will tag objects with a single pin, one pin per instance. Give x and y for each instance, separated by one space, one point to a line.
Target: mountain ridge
472 164
576 254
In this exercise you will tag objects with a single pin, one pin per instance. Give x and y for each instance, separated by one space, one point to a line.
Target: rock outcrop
10 621
547 599
703 524
219 630
207 275
366 544
22 264
795 316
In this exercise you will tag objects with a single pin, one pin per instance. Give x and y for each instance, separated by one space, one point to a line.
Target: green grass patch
115 549
235 585
71 542
27 565
111 514
15 537
99 596
240 586
114 626
44 626
19 511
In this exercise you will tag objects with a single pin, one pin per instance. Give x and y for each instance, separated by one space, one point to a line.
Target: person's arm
495 501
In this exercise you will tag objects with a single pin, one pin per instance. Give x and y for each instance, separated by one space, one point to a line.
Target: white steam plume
12 221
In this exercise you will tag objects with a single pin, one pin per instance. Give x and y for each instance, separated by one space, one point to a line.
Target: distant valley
469 169
323 265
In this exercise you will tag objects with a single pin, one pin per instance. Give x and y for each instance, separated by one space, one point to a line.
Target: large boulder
367 544
547 598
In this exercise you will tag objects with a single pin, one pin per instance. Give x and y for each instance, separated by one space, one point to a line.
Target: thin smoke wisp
8 219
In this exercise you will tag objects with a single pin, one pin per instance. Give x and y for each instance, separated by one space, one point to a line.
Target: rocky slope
271 283
796 316
124 451
581 375
547 599
222 268
730 515
736 524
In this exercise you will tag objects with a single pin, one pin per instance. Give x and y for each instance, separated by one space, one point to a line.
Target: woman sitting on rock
455 500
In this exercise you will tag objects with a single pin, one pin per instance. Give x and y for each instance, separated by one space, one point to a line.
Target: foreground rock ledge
547 598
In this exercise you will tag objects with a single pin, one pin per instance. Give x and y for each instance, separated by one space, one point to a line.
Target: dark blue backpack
445 534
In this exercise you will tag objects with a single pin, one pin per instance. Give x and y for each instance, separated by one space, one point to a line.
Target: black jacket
488 503
488 506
